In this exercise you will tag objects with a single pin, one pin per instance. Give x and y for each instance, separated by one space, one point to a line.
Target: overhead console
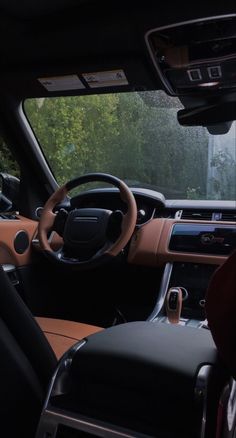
193 56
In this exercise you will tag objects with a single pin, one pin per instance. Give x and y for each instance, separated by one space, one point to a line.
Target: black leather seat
28 361
27 364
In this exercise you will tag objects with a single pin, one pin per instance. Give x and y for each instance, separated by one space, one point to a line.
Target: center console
208 244
193 280
154 378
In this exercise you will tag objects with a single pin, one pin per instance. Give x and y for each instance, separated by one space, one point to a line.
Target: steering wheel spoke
102 250
61 256
114 226
60 221
51 219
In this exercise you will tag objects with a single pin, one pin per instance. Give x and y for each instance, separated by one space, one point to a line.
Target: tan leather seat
62 334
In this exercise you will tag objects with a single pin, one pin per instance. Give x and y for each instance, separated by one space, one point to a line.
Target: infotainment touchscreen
203 238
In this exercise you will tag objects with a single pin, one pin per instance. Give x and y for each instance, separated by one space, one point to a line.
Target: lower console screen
194 278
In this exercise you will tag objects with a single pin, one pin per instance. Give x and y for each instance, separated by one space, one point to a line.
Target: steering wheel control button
60 220
114 225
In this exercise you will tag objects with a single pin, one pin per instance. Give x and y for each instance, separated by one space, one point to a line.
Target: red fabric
220 419
221 311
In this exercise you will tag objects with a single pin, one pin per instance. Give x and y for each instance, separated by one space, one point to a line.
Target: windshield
136 137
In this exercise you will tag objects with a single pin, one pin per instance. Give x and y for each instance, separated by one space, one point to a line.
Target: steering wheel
91 236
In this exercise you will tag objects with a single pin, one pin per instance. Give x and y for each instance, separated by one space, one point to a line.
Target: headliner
73 36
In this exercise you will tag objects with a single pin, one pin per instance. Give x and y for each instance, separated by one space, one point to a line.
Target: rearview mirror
217 118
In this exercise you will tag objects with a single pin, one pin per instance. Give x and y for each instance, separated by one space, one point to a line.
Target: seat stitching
63 336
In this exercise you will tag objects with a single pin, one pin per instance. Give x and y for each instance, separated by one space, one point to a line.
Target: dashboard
189 239
171 230
148 201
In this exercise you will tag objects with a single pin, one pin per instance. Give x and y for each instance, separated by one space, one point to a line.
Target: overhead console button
194 74
214 72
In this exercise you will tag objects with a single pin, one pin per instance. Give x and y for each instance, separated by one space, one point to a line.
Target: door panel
15 240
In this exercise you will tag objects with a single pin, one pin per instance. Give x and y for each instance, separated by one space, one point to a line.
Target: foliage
193 193
225 183
7 162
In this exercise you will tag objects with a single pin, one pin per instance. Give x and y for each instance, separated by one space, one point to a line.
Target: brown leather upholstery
62 334
221 311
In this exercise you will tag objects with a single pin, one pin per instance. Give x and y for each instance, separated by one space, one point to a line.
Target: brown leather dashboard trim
144 243
56 241
8 231
149 245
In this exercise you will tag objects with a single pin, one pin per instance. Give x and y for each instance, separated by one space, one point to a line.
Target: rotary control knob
141 215
38 212
202 303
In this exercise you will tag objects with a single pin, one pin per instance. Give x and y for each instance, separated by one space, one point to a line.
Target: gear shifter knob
174 304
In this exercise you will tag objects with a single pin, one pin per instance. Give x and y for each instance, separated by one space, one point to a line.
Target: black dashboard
152 204
147 202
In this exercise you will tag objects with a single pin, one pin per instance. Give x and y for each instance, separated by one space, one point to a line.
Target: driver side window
7 162
9 179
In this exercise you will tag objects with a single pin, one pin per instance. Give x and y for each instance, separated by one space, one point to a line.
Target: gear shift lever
174 304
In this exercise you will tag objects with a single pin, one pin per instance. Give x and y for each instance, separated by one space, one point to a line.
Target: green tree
135 136
126 147
175 156
224 184
7 162
74 133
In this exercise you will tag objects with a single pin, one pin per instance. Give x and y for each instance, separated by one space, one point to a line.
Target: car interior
117 219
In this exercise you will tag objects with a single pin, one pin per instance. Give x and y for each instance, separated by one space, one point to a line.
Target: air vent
229 216
199 215
166 213
8 216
